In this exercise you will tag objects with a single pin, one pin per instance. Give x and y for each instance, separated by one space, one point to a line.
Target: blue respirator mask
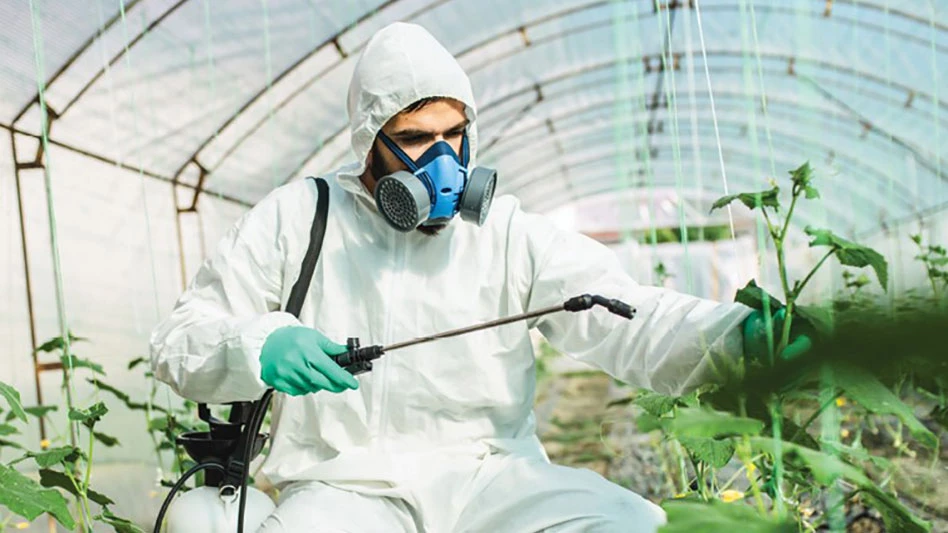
437 187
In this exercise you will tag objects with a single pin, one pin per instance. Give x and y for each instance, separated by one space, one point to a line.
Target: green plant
935 259
163 424
765 420
65 470
661 272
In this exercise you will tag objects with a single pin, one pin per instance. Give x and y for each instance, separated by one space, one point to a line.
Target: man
440 437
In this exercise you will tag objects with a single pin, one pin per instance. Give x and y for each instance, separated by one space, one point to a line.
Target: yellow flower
22 525
844 432
751 468
43 444
731 495
680 495
840 401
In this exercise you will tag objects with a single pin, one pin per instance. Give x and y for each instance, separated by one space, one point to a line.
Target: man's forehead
436 117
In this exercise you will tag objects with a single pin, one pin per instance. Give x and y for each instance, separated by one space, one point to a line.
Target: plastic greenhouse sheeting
252 92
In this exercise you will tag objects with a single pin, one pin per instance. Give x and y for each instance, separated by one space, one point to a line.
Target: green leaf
13 398
79 362
89 417
866 390
26 498
56 343
105 439
753 296
39 411
11 444
850 253
124 397
52 478
646 422
801 175
856 282
689 516
700 422
120 524
716 453
811 193
621 401
825 468
655 404
853 453
137 361
940 414
797 435
895 515
768 198
160 423
917 239
820 319
54 456
7 429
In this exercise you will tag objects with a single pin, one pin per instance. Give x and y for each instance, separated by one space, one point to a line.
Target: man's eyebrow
425 133
460 125
412 133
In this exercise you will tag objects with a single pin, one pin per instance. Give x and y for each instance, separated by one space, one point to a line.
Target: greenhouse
716 229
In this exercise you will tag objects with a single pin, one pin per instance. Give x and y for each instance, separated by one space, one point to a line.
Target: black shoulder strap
298 294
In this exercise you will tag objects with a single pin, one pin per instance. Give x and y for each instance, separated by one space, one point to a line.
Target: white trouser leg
524 495
313 507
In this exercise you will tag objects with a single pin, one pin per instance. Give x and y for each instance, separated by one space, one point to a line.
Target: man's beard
379 169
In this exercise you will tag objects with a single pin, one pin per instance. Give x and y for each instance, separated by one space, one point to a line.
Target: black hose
250 435
177 487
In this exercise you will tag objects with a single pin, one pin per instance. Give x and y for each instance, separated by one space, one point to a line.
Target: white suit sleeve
208 349
675 343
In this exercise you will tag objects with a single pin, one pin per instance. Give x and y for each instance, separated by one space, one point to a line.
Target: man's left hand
756 333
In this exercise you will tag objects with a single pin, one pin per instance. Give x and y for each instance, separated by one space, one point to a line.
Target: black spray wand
359 359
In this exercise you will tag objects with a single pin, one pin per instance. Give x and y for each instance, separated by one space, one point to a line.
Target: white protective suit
439 437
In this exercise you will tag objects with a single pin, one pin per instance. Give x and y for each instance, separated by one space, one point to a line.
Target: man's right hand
296 360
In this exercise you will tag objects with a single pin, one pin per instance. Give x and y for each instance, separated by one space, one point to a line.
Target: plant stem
85 483
734 477
744 455
782 268
682 469
666 468
771 229
786 222
778 457
813 271
816 414
81 504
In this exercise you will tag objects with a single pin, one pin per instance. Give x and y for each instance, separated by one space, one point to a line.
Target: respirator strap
399 153
465 151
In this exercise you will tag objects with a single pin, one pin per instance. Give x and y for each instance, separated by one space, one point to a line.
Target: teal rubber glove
295 360
755 338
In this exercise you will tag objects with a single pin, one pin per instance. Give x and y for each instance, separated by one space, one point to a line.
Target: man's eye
412 141
455 133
